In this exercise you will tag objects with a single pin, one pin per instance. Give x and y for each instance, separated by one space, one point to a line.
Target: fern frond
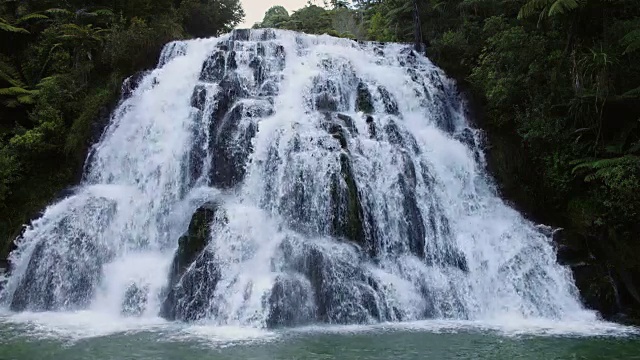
603 164
58 11
30 17
548 7
6 27
10 73
560 7
532 7
103 12
631 41
16 91
26 99
632 93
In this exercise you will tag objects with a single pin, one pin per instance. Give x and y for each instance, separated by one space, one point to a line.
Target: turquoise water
77 336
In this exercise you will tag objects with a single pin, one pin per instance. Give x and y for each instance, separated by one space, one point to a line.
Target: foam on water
349 188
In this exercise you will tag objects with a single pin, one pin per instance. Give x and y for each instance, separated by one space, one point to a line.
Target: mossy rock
191 245
348 221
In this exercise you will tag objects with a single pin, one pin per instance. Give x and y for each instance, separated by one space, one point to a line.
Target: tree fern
6 27
10 73
30 17
631 41
618 173
548 7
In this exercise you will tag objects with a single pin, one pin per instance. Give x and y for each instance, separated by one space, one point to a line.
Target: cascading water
332 181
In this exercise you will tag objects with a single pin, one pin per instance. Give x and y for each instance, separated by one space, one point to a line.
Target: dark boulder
291 302
390 104
199 97
213 69
130 84
348 122
373 134
193 275
194 241
348 214
364 100
231 144
191 298
343 293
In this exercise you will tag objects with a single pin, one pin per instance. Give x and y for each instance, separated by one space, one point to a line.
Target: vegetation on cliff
61 67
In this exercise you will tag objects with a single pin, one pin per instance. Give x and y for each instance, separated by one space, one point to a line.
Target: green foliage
340 21
548 7
61 66
619 174
631 41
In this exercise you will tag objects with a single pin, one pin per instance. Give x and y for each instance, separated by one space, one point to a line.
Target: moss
348 214
195 240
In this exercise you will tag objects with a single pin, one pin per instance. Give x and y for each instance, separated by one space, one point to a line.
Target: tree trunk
417 28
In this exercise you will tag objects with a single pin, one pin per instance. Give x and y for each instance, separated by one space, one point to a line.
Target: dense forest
554 84
62 63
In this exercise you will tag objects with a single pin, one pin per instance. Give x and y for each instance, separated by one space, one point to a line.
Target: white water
475 258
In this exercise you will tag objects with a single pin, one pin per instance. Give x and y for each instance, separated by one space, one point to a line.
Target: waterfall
270 178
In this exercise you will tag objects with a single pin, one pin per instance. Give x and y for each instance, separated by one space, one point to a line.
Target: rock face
607 287
193 274
4 270
68 253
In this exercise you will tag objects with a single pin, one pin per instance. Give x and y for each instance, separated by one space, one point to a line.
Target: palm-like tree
548 7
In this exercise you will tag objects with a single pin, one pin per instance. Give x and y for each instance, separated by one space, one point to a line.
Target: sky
255 9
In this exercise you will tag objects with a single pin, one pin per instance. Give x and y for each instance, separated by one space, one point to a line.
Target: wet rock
415 231
348 123
194 241
4 272
347 214
66 265
232 63
231 145
131 83
268 88
240 34
199 97
291 302
343 292
326 96
394 135
214 68
364 100
372 127
268 34
193 275
191 299
325 102
257 66
135 300
466 137
61 282
390 104
336 131
445 254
